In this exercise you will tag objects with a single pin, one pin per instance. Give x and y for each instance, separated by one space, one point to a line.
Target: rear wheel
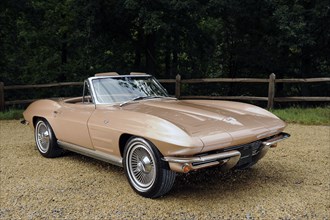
147 174
45 139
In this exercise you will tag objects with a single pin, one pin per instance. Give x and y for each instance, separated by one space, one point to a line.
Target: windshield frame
93 91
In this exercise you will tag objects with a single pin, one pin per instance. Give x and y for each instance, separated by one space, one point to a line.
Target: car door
72 121
104 137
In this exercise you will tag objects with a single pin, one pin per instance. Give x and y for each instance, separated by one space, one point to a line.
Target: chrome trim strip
280 137
91 153
206 165
218 156
266 145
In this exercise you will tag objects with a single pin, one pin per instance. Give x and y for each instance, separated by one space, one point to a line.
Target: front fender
169 139
43 108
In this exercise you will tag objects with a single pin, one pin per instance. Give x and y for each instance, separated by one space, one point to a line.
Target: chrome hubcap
141 167
144 165
42 137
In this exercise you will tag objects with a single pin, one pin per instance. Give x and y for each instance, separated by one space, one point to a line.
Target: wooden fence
271 81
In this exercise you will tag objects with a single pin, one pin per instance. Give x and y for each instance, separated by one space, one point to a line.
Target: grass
11 114
305 116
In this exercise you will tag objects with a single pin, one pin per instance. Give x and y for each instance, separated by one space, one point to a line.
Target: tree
61 40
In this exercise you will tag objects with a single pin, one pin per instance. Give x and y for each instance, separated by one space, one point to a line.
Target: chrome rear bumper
227 159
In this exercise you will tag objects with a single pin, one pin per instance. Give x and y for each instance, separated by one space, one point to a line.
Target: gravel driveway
291 182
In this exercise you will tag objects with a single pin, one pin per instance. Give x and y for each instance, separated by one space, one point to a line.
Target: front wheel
147 174
45 140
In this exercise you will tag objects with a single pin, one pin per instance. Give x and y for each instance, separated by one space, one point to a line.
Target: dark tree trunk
174 68
232 74
138 52
150 53
306 68
283 70
64 50
306 51
168 72
64 57
175 63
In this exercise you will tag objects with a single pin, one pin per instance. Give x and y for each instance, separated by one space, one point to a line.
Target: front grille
247 152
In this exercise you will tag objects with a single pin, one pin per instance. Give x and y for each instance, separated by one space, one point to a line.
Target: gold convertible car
131 121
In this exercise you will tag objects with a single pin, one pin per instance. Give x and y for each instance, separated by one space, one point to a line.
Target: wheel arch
47 143
36 118
43 108
123 139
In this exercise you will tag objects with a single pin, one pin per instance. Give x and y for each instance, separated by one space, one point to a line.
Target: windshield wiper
161 97
132 100
144 97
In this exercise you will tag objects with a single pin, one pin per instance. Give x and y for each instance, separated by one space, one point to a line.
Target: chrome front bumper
227 159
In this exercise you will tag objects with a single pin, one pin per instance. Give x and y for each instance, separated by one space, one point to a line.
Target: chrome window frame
93 93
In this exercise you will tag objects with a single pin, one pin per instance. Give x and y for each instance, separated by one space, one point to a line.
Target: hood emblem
231 120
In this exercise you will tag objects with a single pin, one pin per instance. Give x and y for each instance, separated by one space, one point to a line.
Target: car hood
215 124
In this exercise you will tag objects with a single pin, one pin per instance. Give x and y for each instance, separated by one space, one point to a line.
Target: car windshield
124 89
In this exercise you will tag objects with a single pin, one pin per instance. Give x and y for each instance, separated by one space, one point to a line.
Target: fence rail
270 98
43 85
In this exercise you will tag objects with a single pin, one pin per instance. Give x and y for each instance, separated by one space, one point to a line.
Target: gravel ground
291 182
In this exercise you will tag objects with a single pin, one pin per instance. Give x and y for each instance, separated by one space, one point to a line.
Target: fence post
271 91
177 86
2 96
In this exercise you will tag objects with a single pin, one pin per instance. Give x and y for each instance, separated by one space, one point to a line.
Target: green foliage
67 40
11 114
307 116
